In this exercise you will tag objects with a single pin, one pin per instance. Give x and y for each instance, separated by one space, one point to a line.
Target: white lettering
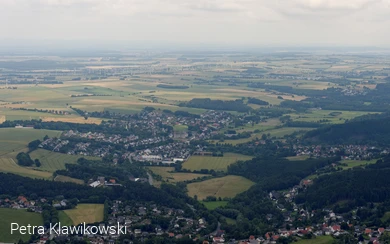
112 230
120 229
12 227
94 228
86 229
22 228
53 229
74 229
41 230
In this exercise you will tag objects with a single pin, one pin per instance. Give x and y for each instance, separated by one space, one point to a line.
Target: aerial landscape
182 144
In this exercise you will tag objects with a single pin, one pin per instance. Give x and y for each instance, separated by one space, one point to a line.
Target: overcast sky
221 22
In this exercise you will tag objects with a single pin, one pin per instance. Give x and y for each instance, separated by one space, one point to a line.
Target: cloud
324 5
263 21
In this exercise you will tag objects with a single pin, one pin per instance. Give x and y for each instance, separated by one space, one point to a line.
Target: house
22 199
336 228
101 179
95 184
218 240
274 195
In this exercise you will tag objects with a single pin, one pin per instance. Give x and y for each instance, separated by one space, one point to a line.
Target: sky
198 22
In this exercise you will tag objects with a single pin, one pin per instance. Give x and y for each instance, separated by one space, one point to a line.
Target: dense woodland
277 173
168 195
270 173
87 169
104 127
257 101
374 130
207 103
353 188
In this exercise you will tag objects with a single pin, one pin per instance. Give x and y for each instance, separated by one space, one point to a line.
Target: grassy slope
355 163
9 165
64 219
52 161
215 163
228 186
317 240
167 175
21 217
88 213
12 139
62 178
214 205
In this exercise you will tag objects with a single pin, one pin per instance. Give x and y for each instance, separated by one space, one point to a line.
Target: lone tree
37 163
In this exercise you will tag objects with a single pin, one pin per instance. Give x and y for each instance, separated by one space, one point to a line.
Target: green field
169 176
214 205
386 217
64 219
62 178
22 217
356 163
9 165
298 158
317 240
230 221
52 161
228 186
180 128
281 132
88 213
12 139
216 163
317 115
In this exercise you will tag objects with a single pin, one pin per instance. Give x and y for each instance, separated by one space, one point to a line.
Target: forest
12 186
355 187
272 173
207 103
375 131
87 169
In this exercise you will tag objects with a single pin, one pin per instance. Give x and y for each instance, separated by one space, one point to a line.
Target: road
150 179
217 230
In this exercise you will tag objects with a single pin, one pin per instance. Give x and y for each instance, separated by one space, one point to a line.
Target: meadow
228 186
356 163
52 161
338 117
168 175
22 217
278 133
64 218
180 128
14 139
298 158
316 240
88 213
213 163
62 178
9 165
214 205
9 114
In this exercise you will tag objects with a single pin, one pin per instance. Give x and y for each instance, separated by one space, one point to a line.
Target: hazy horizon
186 23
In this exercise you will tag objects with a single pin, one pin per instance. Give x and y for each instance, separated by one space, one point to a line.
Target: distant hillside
373 129
354 187
207 103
